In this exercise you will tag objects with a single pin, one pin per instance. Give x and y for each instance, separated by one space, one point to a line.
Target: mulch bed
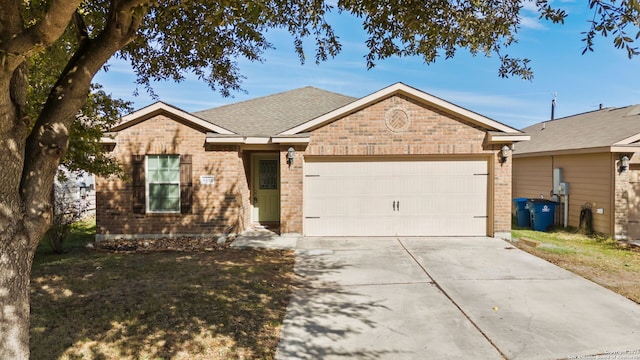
190 244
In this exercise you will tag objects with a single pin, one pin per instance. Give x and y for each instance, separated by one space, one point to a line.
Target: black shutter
186 185
139 203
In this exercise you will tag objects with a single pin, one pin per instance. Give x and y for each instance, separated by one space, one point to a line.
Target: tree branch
82 33
48 141
40 35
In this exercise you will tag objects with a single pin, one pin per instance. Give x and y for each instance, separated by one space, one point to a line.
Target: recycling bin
523 215
542 213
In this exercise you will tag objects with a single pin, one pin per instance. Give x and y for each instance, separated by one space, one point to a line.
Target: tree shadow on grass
207 305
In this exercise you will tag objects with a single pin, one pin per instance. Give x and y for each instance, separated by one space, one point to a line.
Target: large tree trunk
30 154
16 256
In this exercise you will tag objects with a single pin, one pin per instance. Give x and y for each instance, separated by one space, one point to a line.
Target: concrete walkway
448 298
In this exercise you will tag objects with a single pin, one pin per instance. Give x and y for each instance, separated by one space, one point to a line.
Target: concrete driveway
448 298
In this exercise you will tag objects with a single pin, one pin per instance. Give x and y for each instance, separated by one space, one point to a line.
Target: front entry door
266 188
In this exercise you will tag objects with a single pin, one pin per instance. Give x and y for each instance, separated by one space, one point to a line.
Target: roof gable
400 88
159 108
605 129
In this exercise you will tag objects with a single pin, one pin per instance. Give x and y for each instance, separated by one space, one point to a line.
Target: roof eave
294 139
581 151
498 137
108 138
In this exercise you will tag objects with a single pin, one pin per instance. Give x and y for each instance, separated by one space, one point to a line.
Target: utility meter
563 188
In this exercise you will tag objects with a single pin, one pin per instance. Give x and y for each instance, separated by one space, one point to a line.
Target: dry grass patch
181 305
601 260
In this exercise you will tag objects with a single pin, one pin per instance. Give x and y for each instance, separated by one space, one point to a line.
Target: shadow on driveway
447 298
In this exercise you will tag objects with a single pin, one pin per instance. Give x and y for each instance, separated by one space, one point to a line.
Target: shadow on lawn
200 305
94 305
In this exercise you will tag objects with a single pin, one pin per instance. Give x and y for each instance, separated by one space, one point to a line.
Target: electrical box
557 179
563 188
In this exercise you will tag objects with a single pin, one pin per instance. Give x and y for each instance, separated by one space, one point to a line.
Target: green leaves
435 29
614 19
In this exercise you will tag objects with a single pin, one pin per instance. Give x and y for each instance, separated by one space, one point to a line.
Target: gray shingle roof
594 129
270 115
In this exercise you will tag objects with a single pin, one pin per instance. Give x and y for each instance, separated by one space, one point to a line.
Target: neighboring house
589 149
77 193
311 162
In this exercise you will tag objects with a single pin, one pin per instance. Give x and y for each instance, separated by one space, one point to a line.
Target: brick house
398 162
596 153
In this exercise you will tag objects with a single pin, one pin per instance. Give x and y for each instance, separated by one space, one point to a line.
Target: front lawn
90 304
601 260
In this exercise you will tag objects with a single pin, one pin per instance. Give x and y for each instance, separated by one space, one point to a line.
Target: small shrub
66 211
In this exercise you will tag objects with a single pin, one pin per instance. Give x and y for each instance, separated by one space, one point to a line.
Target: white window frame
147 182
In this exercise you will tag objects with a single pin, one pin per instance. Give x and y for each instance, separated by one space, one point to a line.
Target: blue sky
581 82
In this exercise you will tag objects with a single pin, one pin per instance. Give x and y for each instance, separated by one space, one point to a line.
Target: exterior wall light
624 163
290 154
504 153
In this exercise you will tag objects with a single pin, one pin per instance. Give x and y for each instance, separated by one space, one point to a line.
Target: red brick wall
429 133
215 207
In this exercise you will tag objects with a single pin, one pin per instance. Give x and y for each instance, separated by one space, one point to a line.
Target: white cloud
530 22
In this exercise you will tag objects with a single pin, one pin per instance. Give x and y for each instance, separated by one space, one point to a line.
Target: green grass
90 304
598 258
82 233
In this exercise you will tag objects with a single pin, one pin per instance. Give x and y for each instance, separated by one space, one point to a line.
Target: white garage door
389 198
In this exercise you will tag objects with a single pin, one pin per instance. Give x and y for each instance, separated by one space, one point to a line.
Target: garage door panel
405 198
440 226
354 206
345 226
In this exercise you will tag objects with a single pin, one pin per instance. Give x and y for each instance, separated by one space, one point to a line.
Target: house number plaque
207 180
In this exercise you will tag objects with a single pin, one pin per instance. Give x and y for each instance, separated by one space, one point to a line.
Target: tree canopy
51 112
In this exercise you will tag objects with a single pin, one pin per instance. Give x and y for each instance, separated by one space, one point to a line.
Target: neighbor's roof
269 115
606 128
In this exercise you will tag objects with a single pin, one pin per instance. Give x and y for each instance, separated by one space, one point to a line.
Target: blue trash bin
523 215
542 213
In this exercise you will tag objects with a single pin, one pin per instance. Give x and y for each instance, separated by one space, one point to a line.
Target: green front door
266 188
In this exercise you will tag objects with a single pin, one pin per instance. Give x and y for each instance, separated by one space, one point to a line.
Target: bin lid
519 200
542 201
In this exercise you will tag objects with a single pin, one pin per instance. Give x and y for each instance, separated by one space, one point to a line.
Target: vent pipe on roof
600 107
553 106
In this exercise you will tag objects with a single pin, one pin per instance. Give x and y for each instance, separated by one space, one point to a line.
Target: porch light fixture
624 163
504 153
290 154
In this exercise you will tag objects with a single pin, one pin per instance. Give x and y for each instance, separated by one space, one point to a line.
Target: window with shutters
163 183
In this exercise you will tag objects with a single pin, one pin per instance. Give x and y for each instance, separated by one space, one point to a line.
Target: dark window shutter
186 185
139 203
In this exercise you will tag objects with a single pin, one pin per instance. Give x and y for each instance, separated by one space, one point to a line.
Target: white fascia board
253 140
625 148
160 106
405 89
106 140
225 140
257 140
629 140
290 140
506 137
